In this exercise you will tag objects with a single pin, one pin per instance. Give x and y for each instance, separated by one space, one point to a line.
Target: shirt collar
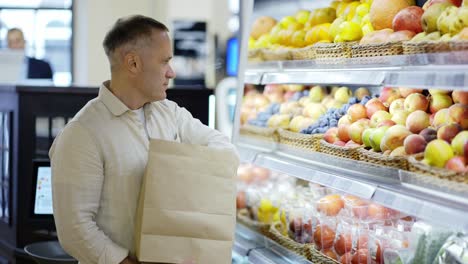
111 101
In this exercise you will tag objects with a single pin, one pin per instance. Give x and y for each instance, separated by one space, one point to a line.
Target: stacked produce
404 121
343 227
308 110
365 21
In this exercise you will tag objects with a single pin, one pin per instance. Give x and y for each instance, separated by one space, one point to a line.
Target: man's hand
129 260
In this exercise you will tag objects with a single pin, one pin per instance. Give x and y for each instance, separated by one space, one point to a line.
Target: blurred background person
33 68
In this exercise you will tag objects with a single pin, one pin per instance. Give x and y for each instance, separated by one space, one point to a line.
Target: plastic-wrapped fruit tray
339 151
415 165
243 217
384 160
375 50
287 242
306 53
299 140
264 133
425 47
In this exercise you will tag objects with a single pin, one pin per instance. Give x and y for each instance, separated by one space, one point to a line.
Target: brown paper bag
187 204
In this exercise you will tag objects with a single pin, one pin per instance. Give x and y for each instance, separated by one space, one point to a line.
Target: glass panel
1 202
6 130
6 165
58 123
1 131
37 3
6 198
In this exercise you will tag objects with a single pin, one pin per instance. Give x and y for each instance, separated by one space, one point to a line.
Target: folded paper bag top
187 207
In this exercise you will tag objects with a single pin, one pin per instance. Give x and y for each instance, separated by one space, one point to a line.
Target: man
34 68
99 158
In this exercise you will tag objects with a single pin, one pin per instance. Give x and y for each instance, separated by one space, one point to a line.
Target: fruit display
343 227
364 22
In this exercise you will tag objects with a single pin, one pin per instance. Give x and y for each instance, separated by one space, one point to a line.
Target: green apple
376 137
438 152
366 136
317 93
430 16
343 94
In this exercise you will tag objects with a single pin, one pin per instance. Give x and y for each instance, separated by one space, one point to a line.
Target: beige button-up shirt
98 162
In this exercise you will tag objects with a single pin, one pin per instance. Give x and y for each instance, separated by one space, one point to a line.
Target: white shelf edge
420 202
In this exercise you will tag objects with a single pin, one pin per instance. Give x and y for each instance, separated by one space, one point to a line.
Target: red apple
416 101
361 257
343 132
407 91
408 19
397 105
448 132
431 2
389 94
346 258
374 105
324 236
417 121
414 144
465 150
331 136
460 97
330 205
356 129
457 164
356 112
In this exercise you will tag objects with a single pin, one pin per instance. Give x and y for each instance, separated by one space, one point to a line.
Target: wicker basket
375 50
458 45
415 165
243 217
317 257
332 53
299 140
287 242
307 53
425 47
264 133
378 158
255 55
339 151
276 55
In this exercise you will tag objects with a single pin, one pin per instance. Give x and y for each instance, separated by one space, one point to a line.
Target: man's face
15 40
156 70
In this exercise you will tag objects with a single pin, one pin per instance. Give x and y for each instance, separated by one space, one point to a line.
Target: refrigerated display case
424 192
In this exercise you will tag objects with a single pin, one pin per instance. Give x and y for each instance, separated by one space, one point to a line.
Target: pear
431 15
449 22
463 14
419 37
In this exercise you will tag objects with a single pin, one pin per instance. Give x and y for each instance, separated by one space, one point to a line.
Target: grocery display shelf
436 70
266 251
394 188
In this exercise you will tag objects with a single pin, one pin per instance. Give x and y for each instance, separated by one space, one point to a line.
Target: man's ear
132 62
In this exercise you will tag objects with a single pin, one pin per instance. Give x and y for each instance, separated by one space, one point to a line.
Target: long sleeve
77 180
193 131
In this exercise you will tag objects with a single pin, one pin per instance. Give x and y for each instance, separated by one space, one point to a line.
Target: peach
355 131
407 91
389 95
459 113
460 142
388 123
339 143
416 101
374 105
438 91
442 117
314 110
437 153
414 144
408 18
343 94
343 244
398 104
379 117
440 101
428 134
394 137
417 121
399 117
331 136
448 132
460 97
357 111
352 144
330 205
345 120
343 132
400 151
317 93
457 164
